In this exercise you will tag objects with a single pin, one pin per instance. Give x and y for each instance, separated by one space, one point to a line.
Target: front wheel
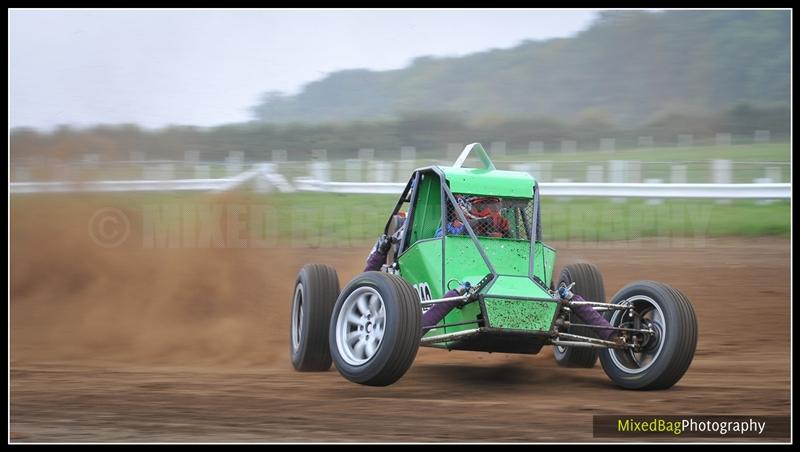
589 284
375 329
661 358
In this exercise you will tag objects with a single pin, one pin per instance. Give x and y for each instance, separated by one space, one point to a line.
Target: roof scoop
478 149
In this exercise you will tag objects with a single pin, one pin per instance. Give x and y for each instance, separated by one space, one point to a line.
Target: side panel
544 260
422 263
464 263
428 208
421 266
509 257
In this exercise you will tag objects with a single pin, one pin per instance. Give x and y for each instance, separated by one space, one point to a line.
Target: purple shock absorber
591 317
437 312
374 261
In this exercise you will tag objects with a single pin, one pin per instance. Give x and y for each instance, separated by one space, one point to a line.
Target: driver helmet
484 213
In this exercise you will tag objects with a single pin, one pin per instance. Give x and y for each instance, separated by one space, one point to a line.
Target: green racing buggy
462 266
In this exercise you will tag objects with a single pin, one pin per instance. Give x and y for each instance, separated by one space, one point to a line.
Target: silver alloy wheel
297 317
628 360
360 326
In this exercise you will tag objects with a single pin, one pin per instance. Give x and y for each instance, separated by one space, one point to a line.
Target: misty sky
206 68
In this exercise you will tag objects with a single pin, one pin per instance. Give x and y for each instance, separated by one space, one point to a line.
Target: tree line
429 132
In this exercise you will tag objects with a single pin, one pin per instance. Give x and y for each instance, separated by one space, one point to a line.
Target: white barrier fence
582 189
116 186
266 178
263 175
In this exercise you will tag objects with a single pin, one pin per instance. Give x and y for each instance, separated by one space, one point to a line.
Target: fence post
563 198
634 171
542 170
774 173
379 171
678 174
644 142
352 170
202 172
523 168
261 183
366 154
233 164
616 175
22 174
608 144
319 154
653 201
685 141
388 172
408 155
569 146
166 171
594 174
761 136
721 174
764 180
279 156
320 170
535 147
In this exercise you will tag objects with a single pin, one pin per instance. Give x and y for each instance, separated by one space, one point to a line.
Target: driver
483 214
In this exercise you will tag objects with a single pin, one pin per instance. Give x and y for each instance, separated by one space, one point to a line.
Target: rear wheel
315 293
588 284
375 329
663 356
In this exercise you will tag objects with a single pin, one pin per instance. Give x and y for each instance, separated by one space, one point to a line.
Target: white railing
661 190
263 175
553 189
581 189
117 186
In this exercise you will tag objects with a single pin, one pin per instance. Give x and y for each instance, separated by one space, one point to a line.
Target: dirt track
133 344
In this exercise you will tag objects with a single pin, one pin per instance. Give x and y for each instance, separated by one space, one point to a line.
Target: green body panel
463 260
544 261
481 181
422 264
518 314
428 209
515 286
509 257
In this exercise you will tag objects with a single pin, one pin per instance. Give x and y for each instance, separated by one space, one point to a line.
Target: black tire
316 291
401 330
588 284
677 339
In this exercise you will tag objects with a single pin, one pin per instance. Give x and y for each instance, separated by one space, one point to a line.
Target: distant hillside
628 68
